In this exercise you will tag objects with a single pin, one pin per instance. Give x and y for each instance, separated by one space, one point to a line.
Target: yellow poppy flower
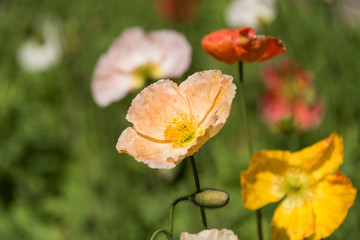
171 122
316 197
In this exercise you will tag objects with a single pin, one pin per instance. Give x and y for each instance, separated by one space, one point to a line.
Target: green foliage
60 174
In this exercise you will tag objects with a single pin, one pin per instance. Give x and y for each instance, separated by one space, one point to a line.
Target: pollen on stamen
181 130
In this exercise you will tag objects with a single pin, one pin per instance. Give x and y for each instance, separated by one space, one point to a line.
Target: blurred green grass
60 175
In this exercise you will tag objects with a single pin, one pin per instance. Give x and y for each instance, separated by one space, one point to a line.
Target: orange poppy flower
241 44
172 122
316 197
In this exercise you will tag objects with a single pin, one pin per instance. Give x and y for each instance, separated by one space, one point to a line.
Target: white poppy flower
135 57
42 53
211 234
252 13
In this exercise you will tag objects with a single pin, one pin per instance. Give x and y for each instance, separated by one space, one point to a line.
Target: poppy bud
210 198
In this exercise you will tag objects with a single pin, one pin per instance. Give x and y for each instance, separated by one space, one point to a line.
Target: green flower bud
210 198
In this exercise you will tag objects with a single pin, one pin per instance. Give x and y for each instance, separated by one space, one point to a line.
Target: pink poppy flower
135 57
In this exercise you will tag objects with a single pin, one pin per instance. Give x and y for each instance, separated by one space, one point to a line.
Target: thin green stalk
249 137
157 232
244 109
171 213
197 184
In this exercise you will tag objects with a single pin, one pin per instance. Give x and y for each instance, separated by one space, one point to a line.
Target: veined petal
293 220
209 93
333 198
149 151
152 109
322 158
262 182
175 52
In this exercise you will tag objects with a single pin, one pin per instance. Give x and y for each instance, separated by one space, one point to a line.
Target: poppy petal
275 47
205 99
169 41
322 158
152 109
149 151
293 220
334 197
261 183
219 45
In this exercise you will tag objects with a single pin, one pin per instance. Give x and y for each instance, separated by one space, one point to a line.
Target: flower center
298 187
182 130
146 71
291 89
296 181
242 39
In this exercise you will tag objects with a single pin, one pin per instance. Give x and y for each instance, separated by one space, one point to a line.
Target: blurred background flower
178 10
290 101
136 57
349 10
252 13
44 48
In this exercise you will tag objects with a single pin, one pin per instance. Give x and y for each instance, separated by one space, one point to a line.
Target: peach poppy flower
316 196
171 122
241 44
135 57
210 234
290 101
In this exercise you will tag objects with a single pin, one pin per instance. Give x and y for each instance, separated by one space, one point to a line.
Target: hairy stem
157 232
171 213
197 184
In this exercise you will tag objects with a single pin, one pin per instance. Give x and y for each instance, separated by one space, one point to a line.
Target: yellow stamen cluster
181 130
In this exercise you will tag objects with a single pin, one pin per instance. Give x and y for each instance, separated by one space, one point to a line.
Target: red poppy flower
241 44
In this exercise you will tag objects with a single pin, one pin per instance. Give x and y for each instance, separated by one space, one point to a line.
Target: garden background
60 174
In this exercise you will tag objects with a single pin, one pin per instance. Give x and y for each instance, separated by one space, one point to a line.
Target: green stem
157 232
293 142
171 213
197 184
243 107
249 138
